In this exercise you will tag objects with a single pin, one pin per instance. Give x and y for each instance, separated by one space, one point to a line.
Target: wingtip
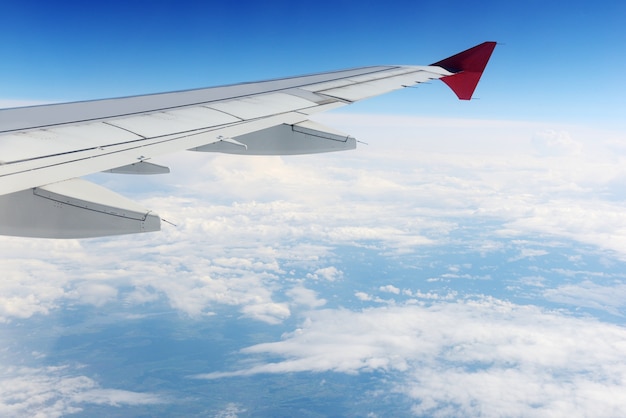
468 67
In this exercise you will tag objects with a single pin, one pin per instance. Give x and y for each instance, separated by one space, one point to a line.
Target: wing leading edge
44 149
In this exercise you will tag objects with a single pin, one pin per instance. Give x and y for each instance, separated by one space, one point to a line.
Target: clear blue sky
560 61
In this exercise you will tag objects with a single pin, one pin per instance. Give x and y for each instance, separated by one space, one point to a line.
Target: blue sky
557 61
467 262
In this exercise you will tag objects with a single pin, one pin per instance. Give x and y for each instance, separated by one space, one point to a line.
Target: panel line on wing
221 111
135 104
110 123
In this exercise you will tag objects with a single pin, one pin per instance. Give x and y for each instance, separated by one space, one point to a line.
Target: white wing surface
45 149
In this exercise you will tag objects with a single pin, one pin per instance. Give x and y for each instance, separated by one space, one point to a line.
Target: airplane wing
44 150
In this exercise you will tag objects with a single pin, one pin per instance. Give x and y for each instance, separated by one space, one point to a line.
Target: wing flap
142 167
301 138
72 209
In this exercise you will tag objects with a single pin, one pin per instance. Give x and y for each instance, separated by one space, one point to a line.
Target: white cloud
390 289
327 273
363 296
551 143
610 298
602 224
270 312
232 410
194 277
305 297
534 281
116 397
468 358
418 294
529 253
29 286
59 391
96 294
244 222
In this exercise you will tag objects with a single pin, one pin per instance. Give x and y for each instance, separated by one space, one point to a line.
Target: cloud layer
481 357
59 391
264 237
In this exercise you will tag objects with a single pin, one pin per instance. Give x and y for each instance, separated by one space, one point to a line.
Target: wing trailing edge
468 67
300 138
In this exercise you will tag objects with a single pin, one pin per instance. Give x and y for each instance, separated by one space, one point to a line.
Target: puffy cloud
327 273
270 312
390 289
362 296
305 297
32 282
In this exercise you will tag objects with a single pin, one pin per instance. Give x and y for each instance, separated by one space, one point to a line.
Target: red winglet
468 66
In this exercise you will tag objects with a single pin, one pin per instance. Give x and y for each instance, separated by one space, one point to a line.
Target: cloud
554 143
59 391
418 294
232 410
610 298
242 222
363 296
30 284
116 397
602 224
327 273
247 227
529 253
139 270
96 294
390 289
466 358
272 313
305 297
